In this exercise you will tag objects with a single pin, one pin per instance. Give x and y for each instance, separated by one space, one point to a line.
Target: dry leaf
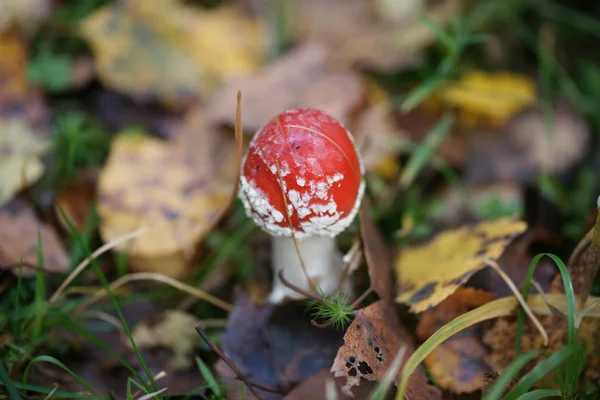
175 332
25 14
429 273
18 99
76 199
459 363
177 191
358 35
550 150
20 152
297 79
315 388
488 98
377 254
19 229
370 344
164 49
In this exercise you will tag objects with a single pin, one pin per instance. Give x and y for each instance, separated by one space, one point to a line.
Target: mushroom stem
323 261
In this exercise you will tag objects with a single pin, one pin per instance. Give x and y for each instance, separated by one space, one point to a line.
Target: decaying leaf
459 363
427 274
363 34
276 345
488 98
18 99
25 14
19 228
555 147
297 79
175 332
177 190
370 344
20 152
528 146
377 254
164 49
316 388
76 199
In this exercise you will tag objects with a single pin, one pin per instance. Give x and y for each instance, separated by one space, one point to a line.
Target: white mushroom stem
323 261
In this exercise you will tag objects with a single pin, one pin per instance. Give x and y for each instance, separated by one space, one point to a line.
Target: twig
362 297
251 386
296 288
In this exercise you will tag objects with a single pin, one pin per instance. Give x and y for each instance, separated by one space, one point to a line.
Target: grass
79 142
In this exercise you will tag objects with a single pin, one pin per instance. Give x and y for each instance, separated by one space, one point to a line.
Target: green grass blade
448 41
494 309
115 304
18 324
424 152
8 384
499 387
40 291
59 364
59 393
416 96
569 294
542 368
208 377
540 394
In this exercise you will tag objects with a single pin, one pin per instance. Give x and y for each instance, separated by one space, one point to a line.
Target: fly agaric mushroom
302 175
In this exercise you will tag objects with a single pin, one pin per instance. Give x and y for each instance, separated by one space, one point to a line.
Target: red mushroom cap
320 170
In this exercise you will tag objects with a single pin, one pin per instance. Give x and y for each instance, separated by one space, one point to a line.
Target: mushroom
302 179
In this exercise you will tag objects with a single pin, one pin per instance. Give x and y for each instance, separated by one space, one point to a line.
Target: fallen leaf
171 51
429 273
360 35
295 80
177 190
25 14
19 228
557 148
315 388
20 152
459 363
276 345
377 254
370 344
18 98
488 98
76 199
175 332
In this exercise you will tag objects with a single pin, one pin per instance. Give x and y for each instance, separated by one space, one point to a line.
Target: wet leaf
175 332
177 190
488 98
138 44
377 254
297 79
459 363
429 273
20 152
19 227
370 344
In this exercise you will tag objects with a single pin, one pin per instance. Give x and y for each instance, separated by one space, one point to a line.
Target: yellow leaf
164 49
489 98
179 195
20 152
427 274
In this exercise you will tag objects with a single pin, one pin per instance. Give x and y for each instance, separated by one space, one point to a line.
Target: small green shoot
40 291
336 311
8 384
209 378
498 388
62 366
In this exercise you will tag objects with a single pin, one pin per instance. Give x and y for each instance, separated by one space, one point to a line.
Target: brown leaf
76 199
177 190
19 229
297 79
366 35
377 254
315 388
370 344
459 363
